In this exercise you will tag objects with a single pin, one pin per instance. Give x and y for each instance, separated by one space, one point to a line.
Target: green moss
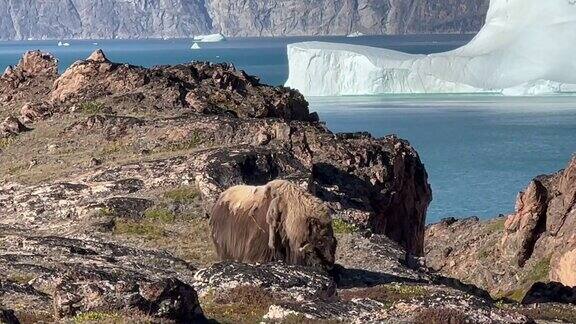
540 271
386 294
136 228
7 142
516 294
159 214
441 316
245 304
496 226
90 317
342 227
191 143
182 195
91 107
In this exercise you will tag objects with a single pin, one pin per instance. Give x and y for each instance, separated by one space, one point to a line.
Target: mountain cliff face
49 19
341 17
53 19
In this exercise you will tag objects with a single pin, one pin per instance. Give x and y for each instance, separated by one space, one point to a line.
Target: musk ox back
276 222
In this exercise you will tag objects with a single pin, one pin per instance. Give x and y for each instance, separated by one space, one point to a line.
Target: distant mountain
55 19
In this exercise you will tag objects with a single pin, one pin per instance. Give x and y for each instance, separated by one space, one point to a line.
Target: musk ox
276 222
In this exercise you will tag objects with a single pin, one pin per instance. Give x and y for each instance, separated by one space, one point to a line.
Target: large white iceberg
526 47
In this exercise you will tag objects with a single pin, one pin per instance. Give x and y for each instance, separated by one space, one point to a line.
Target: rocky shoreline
108 170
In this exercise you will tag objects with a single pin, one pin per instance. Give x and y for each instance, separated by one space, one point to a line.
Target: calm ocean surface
479 150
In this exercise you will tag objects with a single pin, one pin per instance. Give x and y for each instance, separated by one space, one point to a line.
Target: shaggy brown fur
275 222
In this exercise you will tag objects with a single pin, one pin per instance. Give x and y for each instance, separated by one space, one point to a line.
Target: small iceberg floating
355 34
213 38
195 46
60 44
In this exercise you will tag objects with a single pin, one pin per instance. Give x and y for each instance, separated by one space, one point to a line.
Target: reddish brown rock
508 255
98 56
11 126
201 87
544 224
524 227
30 80
32 112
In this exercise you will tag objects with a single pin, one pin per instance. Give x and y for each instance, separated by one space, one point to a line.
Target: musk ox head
279 221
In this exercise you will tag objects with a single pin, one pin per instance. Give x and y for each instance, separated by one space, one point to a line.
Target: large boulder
165 298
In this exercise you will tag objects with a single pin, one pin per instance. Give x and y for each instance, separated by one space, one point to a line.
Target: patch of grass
106 212
386 294
245 304
113 148
189 144
496 226
100 317
485 252
540 271
7 142
14 169
342 227
182 195
159 214
91 107
138 228
516 294
21 278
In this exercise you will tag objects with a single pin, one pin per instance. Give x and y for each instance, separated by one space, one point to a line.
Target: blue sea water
479 150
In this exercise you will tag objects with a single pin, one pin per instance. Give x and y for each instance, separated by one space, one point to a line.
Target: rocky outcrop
168 298
295 281
378 289
201 87
508 255
72 276
29 81
112 19
118 155
251 134
544 225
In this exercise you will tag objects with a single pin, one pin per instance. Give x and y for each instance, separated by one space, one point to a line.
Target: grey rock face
341 17
54 19
102 19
